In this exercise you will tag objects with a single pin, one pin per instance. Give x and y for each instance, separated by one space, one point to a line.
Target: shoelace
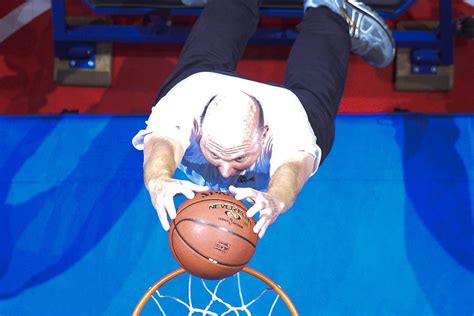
354 20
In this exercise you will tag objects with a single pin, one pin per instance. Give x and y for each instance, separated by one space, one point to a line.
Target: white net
240 294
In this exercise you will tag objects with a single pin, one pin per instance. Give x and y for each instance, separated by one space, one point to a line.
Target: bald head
232 119
232 132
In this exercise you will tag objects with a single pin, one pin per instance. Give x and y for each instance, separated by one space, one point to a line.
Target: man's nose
226 170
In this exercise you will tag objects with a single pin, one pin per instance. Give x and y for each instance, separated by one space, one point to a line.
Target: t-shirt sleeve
174 116
293 139
284 151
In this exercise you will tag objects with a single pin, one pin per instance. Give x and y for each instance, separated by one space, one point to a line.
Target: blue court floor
384 228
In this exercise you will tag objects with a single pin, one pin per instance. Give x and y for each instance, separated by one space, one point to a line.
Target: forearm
162 157
288 180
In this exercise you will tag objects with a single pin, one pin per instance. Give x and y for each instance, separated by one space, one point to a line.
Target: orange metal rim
286 299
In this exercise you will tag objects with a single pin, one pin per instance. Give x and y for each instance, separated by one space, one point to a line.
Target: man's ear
265 132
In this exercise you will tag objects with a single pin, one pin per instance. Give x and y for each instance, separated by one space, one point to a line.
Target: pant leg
217 40
317 70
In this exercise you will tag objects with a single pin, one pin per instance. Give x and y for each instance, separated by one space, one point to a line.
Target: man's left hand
263 203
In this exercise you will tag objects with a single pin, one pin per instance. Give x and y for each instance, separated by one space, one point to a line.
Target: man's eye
240 159
213 155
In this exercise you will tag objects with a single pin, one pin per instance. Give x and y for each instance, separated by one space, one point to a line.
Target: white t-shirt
177 116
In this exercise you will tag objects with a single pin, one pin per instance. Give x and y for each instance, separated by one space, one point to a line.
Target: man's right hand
162 192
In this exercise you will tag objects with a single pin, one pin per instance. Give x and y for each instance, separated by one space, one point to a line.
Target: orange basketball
211 237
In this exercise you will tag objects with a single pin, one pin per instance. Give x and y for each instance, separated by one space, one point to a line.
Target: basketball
211 236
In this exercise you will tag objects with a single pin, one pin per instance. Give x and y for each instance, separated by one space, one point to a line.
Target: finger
263 230
236 190
169 206
259 225
163 217
153 198
233 189
245 193
250 200
197 188
188 193
257 207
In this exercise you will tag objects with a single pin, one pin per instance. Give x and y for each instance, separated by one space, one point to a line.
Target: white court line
21 16
470 2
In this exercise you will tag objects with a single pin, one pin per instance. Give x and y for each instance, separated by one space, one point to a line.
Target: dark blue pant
317 65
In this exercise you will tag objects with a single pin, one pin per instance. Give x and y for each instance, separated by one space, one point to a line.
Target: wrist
281 199
153 182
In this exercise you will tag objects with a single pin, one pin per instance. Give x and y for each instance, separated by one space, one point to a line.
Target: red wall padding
26 62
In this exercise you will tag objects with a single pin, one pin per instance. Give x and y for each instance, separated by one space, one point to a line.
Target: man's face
232 148
231 161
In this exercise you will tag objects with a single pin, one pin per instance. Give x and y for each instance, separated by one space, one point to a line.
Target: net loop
217 301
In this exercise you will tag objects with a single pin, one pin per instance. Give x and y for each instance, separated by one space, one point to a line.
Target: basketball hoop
271 286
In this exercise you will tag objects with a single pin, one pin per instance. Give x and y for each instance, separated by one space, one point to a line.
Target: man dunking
261 142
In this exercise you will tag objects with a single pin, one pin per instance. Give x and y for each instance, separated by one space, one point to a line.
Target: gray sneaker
370 36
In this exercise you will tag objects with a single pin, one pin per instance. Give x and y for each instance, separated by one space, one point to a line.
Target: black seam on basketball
175 253
206 257
181 262
200 221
